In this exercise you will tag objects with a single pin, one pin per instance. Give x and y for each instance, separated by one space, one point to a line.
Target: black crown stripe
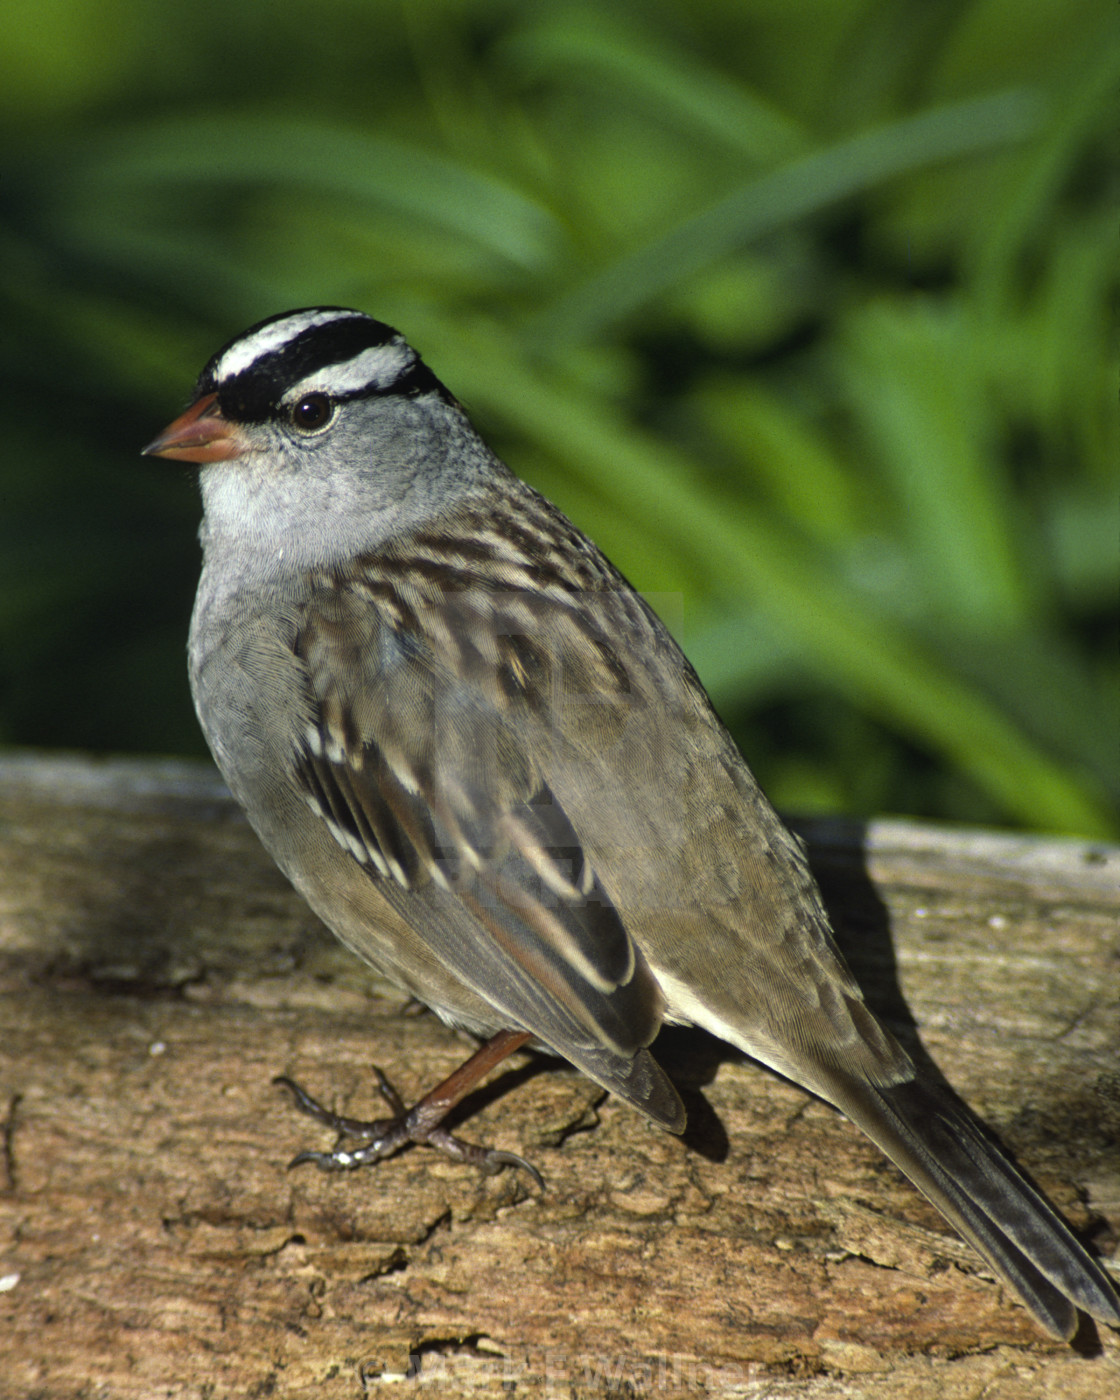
254 394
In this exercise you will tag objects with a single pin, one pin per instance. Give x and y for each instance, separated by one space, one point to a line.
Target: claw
423 1123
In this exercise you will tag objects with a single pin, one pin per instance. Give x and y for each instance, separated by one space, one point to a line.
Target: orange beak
200 435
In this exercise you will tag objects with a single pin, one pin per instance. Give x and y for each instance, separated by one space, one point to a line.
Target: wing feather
424 772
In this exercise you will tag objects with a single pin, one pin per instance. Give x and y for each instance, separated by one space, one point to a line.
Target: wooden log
156 972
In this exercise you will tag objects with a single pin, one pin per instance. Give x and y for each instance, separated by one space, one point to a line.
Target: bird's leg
421 1123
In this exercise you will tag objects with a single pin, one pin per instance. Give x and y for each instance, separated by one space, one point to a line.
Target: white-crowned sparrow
487 766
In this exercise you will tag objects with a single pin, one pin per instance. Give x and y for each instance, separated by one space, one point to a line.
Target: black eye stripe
417 379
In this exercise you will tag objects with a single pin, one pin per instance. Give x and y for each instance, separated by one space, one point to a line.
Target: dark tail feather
947 1156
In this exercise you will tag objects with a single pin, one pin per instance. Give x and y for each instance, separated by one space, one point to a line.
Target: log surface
156 972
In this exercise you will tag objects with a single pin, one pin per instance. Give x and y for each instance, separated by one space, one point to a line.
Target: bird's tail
949 1158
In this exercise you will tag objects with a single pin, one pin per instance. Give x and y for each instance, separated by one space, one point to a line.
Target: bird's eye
312 412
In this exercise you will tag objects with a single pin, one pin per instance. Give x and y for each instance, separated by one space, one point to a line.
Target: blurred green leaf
796 191
918 386
598 51
163 165
805 312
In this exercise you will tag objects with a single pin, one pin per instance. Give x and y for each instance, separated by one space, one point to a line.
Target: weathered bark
156 972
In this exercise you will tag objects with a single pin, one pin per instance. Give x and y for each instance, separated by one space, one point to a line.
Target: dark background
803 311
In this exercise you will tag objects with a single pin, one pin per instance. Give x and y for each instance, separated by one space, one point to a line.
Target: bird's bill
200 435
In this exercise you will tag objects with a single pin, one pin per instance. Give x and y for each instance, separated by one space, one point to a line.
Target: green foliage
801 310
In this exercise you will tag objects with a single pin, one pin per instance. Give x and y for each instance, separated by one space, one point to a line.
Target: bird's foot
423 1123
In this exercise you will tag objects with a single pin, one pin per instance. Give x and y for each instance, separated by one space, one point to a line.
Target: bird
484 762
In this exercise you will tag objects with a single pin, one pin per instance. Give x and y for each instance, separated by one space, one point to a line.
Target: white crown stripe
376 368
270 338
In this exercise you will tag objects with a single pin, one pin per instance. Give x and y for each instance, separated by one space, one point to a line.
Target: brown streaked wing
415 763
